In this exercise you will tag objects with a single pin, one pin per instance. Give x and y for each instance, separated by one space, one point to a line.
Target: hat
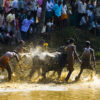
87 42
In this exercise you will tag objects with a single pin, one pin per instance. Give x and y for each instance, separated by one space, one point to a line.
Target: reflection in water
48 95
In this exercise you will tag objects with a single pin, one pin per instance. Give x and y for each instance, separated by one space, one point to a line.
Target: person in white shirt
10 20
64 15
39 10
49 25
81 9
4 62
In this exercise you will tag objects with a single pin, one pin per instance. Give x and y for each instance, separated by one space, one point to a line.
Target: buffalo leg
79 75
31 73
59 73
68 76
9 71
44 74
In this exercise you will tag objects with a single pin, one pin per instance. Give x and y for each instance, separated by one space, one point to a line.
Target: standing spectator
6 4
39 10
34 8
21 4
81 9
40 2
57 14
10 20
1 17
22 15
64 15
14 4
49 9
25 27
17 29
1 3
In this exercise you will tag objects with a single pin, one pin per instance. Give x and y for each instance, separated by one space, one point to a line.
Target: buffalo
55 61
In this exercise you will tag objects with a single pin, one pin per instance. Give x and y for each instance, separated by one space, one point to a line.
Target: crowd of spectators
18 18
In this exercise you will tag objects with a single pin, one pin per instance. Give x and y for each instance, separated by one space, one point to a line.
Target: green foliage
59 38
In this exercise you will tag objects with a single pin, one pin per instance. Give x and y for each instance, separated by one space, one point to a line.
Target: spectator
21 4
14 4
17 29
49 25
6 4
81 9
40 2
25 27
64 15
39 10
1 17
34 8
49 9
10 20
84 21
57 14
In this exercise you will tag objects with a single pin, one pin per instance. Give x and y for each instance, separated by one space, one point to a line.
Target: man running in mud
4 62
71 52
5 59
87 54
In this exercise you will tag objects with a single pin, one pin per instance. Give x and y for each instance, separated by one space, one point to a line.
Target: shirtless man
20 47
4 62
87 54
71 52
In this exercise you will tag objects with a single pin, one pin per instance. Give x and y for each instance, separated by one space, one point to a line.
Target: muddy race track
29 83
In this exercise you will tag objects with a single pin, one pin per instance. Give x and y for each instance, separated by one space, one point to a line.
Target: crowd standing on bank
19 18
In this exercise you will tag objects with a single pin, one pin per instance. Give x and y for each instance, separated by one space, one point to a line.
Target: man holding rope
88 53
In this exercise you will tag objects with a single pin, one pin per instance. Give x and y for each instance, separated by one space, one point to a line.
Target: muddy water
50 89
87 94
82 90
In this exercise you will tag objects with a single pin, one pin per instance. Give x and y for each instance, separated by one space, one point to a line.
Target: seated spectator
49 25
8 38
84 21
94 26
90 14
1 36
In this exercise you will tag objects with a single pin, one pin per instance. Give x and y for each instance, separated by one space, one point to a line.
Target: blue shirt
26 24
57 10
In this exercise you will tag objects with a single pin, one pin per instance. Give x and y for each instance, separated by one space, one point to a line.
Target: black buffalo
56 63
